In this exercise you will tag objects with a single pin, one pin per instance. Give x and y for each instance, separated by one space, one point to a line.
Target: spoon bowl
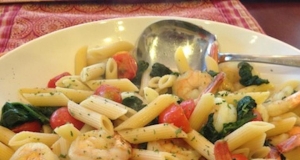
160 40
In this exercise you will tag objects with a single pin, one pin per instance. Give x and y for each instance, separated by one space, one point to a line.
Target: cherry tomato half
52 81
109 92
222 152
62 116
127 66
174 114
33 126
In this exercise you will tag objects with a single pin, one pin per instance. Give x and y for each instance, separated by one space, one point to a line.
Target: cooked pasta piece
52 99
145 80
67 131
95 71
42 97
148 113
150 94
75 94
281 126
204 107
100 53
80 59
166 81
111 69
261 152
61 148
152 133
176 146
211 64
24 137
123 84
153 82
5 152
247 132
6 135
200 144
90 117
46 128
255 145
73 82
107 107
181 61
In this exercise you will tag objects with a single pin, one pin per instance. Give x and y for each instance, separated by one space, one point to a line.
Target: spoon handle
287 60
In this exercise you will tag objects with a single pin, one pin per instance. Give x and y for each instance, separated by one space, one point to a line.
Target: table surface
279 19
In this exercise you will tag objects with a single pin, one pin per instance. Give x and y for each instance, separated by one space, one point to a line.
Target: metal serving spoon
160 40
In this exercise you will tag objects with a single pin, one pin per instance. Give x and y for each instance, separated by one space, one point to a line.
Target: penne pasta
75 94
204 107
181 61
95 71
281 126
100 53
124 84
80 59
90 117
152 133
6 135
111 69
148 113
247 132
107 107
67 131
25 137
200 144
5 152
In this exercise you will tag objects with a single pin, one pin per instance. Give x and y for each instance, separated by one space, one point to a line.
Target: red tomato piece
174 114
188 107
109 92
127 66
222 151
33 126
62 116
258 115
52 81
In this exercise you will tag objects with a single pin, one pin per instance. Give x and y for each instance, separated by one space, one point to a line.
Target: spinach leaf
244 114
247 79
16 113
133 102
159 70
141 68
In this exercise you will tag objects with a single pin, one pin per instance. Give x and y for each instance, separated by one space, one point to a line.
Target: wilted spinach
244 114
247 79
15 113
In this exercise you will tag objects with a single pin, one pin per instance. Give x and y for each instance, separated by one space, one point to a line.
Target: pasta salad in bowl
94 100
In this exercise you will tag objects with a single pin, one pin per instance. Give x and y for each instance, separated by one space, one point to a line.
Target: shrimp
34 150
99 144
191 84
284 105
177 147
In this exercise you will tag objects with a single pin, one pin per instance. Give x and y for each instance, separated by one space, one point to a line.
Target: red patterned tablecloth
22 22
